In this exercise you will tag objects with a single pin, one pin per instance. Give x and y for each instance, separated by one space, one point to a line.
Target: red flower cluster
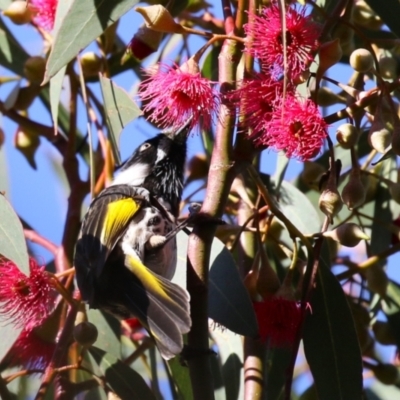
45 12
28 301
264 38
278 320
172 94
275 115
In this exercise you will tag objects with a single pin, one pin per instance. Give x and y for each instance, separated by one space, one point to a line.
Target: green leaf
8 333
229 303
388 10
108 331
56 83
277 364
181 377
120 109
122 379
4 4
230 350
12 55
291 201
330 340
391 307
84 21
12 240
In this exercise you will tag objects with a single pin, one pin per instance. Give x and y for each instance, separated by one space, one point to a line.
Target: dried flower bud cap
34 69
159 19
354 193
348 234
191 66
347 135
377 280
85 333
361 60
144 42
18 12
330 202
386 373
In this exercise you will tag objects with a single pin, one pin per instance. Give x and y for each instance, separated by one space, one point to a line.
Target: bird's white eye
144 146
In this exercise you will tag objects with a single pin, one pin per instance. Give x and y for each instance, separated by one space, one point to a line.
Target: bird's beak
181 134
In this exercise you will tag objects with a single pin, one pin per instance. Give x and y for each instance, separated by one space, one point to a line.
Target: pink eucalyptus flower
297 127
26 300
29 351
264 38
171 95
278 320
256 99
45 12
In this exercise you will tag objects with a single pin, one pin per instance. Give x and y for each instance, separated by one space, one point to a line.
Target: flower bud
396 138
379 137
347 135
198 167
91 64
363 15
18 12
394 190
85 333
27 143
353 193
34 69
388 67
330 54
361 60
348 234
326 97
330 202
311 174
267 281
377 280
383 333
388 374
144 42
159 19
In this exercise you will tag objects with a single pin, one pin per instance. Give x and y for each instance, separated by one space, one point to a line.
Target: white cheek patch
160 155
134 175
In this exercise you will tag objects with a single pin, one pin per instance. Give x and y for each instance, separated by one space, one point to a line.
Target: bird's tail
161 306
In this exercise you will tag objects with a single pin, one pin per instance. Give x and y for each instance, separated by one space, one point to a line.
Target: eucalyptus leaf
56 83
4 4
12 240
229 303
8 333
388 10
108 331
120 109
330 340
230 350
121 378
84 21
12 55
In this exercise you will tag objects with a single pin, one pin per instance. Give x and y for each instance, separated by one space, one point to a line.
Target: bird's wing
105 223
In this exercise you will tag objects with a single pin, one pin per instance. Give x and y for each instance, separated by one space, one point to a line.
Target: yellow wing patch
117 217
148 279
